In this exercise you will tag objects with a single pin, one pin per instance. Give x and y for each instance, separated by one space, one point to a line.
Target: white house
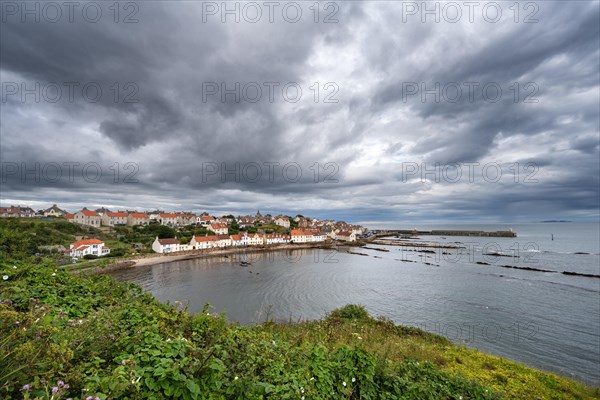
282 221
54 211
218 229
254 239
307 236
346 236
84 247
168 245
237 240
203 242
275 238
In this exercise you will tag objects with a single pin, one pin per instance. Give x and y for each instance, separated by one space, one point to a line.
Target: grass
71 336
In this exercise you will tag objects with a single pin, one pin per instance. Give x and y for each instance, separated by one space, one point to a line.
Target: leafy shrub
351 311
90 257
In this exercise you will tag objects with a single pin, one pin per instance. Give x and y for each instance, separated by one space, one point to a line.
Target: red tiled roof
168 241
218 226
116 214
87 242
168 215
69 216
138 215
89 213
206 218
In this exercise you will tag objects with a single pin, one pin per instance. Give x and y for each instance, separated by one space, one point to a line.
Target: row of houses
170 245
308 229
16 212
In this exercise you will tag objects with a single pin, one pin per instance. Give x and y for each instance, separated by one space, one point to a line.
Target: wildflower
359 338
301 390
66 387
353 380
54 389
26 387
54 274
43 309
312 379
89 398
14 267
60 384
235 379
123 362
17 323
344 383
5 277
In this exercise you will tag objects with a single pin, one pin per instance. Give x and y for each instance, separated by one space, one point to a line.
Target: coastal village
221 232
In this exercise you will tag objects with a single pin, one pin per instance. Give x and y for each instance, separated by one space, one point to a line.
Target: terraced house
114 218
87 217
134 219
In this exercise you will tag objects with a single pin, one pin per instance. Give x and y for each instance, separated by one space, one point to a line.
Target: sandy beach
153 259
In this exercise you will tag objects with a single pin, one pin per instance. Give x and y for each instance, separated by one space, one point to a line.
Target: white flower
235 379
54 274
5 277
14 267
353 380
344 383
302 398
459 397
301 390
359 338
312 379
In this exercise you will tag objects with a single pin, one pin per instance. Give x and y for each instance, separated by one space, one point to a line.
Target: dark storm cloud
171 129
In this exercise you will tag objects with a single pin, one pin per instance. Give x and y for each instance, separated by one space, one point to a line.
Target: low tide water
547 320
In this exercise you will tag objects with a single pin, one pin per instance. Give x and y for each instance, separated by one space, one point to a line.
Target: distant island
553 220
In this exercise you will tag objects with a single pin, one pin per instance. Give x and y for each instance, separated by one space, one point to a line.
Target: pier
408 233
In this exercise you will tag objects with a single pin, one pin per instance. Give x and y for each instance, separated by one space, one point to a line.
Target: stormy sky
362 111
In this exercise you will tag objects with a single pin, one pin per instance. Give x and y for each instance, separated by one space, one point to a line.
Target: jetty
411 233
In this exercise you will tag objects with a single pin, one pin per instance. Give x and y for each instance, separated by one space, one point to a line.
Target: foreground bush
66 336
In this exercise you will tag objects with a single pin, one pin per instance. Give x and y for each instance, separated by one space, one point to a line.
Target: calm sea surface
547 320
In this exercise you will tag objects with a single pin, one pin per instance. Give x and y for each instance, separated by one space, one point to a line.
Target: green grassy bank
67 336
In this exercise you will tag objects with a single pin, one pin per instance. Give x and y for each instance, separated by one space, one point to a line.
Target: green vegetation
63 335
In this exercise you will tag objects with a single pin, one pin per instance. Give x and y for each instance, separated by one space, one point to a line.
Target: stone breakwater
412 233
